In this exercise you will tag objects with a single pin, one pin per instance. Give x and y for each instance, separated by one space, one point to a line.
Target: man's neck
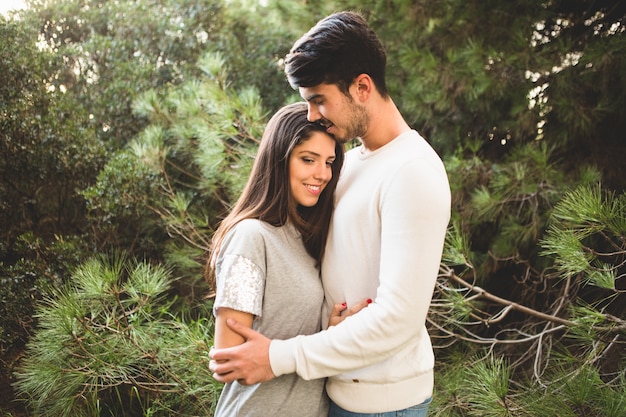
386 123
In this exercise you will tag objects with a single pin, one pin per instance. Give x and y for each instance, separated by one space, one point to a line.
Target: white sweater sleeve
414 214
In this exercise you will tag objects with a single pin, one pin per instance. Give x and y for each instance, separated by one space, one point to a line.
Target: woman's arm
224 336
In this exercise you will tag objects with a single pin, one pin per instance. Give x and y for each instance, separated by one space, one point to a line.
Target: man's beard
358 122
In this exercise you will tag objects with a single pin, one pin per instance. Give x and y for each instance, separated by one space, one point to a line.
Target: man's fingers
221 371
231 377
247 363
246 332
224 378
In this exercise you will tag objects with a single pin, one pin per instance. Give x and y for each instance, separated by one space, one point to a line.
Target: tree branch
480 292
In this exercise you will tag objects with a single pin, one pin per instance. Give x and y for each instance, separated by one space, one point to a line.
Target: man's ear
363 87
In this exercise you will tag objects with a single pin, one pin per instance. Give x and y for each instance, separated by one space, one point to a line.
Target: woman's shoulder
247 229
252 225
254 228
246 237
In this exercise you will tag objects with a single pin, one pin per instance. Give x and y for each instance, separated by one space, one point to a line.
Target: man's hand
341 311
248 363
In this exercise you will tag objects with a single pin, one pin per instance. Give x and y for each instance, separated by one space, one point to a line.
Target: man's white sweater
385 243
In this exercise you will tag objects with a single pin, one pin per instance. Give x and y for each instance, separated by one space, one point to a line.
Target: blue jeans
420 410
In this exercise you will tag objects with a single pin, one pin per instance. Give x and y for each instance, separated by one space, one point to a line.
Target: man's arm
413 232
249 362
414 211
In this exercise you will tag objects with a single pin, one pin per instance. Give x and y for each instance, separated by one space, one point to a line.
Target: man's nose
313 114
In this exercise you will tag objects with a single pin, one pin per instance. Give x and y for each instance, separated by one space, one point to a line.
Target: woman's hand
341 311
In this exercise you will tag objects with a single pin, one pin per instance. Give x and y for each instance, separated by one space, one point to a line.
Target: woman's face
310 168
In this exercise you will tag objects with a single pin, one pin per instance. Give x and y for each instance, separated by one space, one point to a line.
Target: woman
266 255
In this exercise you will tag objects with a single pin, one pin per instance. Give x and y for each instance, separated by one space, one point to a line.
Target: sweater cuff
282 358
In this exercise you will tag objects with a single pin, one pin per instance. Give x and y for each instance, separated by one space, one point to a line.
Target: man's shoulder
415 145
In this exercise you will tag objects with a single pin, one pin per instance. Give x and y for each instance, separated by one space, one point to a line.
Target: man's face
343 117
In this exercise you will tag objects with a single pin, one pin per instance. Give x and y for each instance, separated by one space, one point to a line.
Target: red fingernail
344 304
369 301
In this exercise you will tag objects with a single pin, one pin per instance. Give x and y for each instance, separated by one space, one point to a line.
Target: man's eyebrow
313 97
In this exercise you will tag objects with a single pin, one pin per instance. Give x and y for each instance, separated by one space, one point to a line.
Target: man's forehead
318 91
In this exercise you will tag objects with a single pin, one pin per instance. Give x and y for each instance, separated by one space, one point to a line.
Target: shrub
108 345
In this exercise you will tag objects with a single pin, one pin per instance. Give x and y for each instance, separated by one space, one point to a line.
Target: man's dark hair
335 51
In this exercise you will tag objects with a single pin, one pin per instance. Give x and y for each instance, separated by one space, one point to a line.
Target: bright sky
6 5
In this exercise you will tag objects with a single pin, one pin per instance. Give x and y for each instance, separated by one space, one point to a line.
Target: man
385 242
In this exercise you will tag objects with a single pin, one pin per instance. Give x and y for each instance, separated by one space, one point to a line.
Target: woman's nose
323 172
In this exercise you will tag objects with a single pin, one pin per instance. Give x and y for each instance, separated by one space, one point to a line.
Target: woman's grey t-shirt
266 271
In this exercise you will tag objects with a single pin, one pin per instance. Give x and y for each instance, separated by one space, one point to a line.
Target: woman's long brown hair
267 195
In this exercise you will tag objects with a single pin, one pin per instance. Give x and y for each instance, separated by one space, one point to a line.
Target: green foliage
164 194
116 49
577 391
456 246
587 236
570 277
501 209
199 147
71 71
254 42
473 384
523 99
547 250
43 267
509 72
486 389
46 153
109 345
119 207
